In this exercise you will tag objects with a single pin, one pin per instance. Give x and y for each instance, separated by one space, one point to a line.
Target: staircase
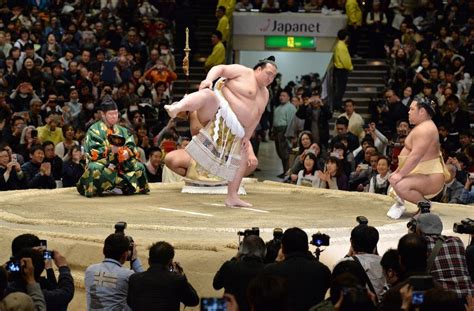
366 81
206 23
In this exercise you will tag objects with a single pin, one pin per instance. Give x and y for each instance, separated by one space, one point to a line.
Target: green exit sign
290 42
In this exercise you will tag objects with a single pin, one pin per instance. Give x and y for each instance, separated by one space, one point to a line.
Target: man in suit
163 286
455 119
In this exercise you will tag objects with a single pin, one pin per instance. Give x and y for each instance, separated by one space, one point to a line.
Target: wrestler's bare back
428 133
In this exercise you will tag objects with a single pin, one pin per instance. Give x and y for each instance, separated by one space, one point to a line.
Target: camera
420 284
465 226
120 228
273 246
424 207
320 239
214 304
247 232
13 266
362 220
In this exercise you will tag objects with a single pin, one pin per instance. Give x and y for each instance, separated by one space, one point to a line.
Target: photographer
308 279
447 262
235 275
107 282
19 300
163 286
11 175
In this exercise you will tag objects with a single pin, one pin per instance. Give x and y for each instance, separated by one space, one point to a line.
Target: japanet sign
288 24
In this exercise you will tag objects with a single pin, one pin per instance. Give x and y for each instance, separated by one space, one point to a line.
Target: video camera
273 246
465 226
247 232
424 209
120 229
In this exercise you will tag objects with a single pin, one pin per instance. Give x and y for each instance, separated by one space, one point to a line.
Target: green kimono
107 170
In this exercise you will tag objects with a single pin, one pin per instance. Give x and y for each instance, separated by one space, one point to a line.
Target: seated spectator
12 134
160 73
163 286
452 188
339 150
58 293
413 256
467 194
363 250
342 128
290 6
243 5
391 268
456 119
379 140
270 6
32 300
72 108
314 5
38 174
153 166
448 265
359 178
99 292
305 145
379 182
55 161
307 176
235 275
52 130
11 175
34 114
62 149
73 169
308 279
333 176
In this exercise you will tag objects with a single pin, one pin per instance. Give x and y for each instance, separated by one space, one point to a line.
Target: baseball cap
429 223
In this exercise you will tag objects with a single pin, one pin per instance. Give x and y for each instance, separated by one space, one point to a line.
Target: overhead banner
288 24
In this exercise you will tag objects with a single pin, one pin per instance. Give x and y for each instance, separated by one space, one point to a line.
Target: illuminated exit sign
290 42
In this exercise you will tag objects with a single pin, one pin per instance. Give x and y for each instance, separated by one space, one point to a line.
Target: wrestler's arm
226 71
419 146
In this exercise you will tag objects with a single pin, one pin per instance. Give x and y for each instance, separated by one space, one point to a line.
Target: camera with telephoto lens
273 246
120 228
320 239
247 232
465 226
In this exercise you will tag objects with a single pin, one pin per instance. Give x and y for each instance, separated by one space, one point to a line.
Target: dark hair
153 150
253 246
268 293
349 101
382 157
355 295
340 169
218 34
453 98
413 250
26 240
287 92
343 121
342 34
36 257
440 299
66 127
425 103
364 238
352 267
262 63
161 253
47 143
35 148
294 240
390 261
115 245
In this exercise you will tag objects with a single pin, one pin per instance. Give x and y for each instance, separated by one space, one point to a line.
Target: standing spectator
377 21
308 279
223 24
342 67
354 22
11 175
217 56
282 117
235 275
107 283
72 167
455 119
38 174
393 111
163 286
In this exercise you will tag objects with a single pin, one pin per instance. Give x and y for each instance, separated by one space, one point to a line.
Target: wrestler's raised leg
178 161
203 101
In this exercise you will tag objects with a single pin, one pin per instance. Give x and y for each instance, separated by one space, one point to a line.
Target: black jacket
305 112
461 121
59 297
33 178
308 279
235 275
159 289
14 182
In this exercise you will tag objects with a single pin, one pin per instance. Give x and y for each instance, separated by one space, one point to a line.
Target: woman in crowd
333 176
29 137
306 176
305 143
30 73
379 182
73 168
63 148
